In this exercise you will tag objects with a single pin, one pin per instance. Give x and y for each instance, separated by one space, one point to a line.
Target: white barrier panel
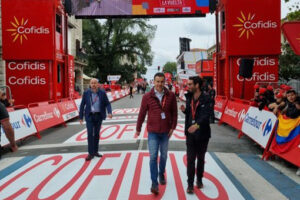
117 175
258 125
78 102
68 110
22 124
109 96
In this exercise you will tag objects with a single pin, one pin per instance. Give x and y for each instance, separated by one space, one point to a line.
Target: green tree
170 67
117 47
289 63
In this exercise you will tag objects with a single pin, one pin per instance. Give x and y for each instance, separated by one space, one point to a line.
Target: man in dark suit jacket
197 130
93 106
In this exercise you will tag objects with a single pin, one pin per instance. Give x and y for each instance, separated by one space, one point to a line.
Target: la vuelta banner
117 175
265 69
26 33
68 110
234 114
46 116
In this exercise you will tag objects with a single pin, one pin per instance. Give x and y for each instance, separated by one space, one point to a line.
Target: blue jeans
158 141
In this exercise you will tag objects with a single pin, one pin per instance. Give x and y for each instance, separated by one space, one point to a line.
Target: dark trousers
195 149
93 125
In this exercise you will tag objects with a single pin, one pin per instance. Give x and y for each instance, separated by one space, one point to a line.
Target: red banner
71 76
68 110
26 33
220 103
252 27
292 34
28 77
46 116
234 114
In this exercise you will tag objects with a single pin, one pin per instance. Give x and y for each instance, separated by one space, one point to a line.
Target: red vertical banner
71 76
215 71
28 77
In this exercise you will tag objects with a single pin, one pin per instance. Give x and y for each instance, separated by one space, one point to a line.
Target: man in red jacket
161 105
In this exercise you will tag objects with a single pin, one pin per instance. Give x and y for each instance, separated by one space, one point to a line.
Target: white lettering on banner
159 10
260 24
56 112
230 112
258 77
69 106
70 115
252 121
172 3
266 61
186 9
27 80
33 30
121 175
219 105
26 66
43 117
242 115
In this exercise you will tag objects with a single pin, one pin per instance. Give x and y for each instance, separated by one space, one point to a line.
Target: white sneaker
298 172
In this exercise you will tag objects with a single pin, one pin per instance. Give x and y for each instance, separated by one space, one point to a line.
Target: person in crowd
131 91
7 128
262 100
161 106
292 108
93 107
6 102
197 130
212 94
270 95
278 105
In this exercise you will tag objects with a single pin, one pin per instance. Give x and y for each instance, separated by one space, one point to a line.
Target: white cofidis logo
247 25
266 76
21 29
260 62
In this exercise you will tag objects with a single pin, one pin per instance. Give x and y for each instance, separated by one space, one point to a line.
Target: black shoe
162 179
98 155
89 157
190 189
154 189
199 184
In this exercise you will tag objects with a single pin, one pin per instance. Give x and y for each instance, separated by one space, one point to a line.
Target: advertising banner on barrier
22 124
68 110
258 125
234 114
220 103
77 102
46 116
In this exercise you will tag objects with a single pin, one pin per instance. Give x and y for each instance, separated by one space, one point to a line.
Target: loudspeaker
246 67
68 7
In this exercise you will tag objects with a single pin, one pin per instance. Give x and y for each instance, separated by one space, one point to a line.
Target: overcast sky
201 31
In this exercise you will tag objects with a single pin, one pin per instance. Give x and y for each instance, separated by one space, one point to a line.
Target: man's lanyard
95 99
164 99
194 108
